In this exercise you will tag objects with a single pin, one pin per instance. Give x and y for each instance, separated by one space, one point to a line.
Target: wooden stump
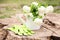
2 25
3 34
42 34
52 22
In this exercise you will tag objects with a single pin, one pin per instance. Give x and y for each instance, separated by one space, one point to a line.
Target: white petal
30 14
26 9
38 21
41 9
49 9
42 14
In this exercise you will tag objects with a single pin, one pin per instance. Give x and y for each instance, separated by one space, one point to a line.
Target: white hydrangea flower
26 9
30 14
41 14
35 3
49 9
41 9
38 21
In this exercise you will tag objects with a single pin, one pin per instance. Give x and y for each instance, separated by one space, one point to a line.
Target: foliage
34 10
21 30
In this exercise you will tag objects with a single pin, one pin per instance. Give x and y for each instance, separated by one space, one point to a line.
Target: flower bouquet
35 14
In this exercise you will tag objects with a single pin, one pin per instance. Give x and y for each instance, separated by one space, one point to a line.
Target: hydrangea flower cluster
37 11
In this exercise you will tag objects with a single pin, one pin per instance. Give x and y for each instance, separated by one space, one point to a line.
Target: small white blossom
41 14
38 21
41 9
35 3
30 14
26 9
49 9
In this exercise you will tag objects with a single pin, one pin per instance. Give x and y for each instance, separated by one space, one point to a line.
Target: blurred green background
11 7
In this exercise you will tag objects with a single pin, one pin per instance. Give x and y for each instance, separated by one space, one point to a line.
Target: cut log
56 32
2 25
52 20
42 34
55 38
52 23
3 34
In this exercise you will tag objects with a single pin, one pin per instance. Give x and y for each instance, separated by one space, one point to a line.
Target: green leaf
40 17
34 8
39 4
23 30
42 4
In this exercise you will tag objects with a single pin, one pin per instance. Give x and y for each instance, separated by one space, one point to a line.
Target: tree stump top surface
41 33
